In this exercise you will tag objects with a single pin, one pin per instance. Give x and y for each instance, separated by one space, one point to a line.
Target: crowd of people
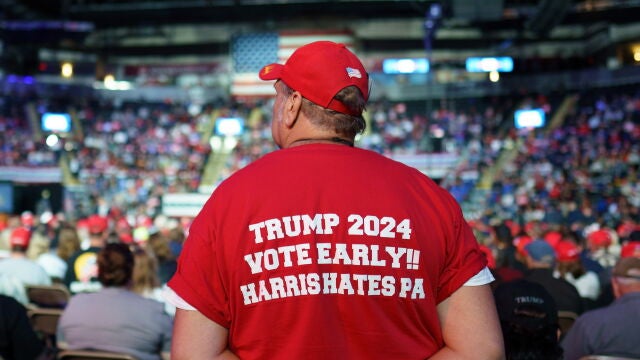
128 154
107 275
564 214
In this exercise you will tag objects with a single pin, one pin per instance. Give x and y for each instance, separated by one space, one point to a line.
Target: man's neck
18 255
327 140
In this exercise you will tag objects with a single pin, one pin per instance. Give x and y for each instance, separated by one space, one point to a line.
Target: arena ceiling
161 27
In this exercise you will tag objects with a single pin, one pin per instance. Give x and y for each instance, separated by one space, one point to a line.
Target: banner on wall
183 204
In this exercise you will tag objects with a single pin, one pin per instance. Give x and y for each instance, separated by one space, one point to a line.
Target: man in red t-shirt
322 250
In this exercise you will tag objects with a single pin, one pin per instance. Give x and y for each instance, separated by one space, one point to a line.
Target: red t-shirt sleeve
197 279
464 259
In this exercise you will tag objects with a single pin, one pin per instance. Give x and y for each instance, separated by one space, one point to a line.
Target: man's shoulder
596 316
141 305
80 298
18 263
9 304
278 165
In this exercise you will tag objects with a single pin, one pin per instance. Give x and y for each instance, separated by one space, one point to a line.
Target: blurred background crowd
132 165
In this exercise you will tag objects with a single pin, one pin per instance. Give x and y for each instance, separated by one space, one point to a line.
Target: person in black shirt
18 340
529 321
82 267
541 260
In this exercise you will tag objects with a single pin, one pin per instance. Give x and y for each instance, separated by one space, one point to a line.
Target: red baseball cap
567 251
97 224
82 224
123 224
630 249
319 70
20 237
513 226
599 238
521 242
126 238
553 238
626 228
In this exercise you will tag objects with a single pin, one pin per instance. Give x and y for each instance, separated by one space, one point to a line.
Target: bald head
626 276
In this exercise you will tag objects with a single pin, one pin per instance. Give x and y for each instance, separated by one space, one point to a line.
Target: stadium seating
48 296
45 323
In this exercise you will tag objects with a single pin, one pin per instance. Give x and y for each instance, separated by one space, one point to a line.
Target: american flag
250 52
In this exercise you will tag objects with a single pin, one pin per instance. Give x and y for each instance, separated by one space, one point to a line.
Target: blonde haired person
159 245
55 260
145 278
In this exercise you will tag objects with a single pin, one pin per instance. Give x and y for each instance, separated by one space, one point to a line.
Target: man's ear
292 109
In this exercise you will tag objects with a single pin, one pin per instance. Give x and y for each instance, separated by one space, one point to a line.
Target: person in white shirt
569 266
18 265
55 261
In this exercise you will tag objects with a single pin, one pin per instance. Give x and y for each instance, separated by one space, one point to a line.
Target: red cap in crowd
529 227
553 238
513 226
20 237
97 224
626 228
126 238
319 71
82 224
123 225
599 238
567 251
521 242
630 249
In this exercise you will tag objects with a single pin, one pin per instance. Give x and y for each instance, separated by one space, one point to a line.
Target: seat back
565 321
45 323
92 355
48 296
